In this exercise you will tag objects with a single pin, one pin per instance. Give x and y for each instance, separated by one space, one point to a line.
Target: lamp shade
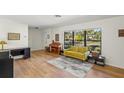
3 42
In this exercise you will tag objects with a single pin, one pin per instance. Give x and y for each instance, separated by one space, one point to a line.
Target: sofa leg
85 60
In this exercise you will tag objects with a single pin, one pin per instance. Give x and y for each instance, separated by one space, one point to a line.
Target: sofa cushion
82 49
74 48
74 54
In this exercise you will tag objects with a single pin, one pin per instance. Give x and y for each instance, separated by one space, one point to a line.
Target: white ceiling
44 21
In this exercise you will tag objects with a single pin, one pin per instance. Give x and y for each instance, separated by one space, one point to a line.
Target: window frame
85 37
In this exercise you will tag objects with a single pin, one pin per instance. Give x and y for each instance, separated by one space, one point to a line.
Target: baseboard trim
37 50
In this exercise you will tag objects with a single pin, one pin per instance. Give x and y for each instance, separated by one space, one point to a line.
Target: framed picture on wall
13 36
56 37
121 33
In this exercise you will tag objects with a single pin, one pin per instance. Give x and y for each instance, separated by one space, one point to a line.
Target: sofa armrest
87 53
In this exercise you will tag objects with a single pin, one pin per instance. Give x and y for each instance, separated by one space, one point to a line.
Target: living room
30 40
58 46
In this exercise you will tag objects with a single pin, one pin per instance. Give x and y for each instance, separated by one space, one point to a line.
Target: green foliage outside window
77 38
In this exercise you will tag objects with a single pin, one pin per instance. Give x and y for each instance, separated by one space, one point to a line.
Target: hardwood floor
37 67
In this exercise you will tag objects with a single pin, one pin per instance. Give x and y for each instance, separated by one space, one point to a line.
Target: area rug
73 66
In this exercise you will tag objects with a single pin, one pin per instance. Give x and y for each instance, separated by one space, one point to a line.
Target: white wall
112 45
8 26
35 39
47 41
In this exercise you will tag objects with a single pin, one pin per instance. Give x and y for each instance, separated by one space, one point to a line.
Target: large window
68 39
87 37
79 38
93 39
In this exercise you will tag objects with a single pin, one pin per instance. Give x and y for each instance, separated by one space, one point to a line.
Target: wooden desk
55 47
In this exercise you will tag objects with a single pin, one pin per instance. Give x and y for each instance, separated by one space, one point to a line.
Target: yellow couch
77 52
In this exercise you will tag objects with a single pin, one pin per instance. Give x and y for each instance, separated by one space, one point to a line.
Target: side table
91 59
100 61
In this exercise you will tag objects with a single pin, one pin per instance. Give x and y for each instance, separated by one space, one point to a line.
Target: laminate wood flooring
37 67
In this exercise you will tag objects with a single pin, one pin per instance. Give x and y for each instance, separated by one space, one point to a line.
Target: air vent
58 16
36 27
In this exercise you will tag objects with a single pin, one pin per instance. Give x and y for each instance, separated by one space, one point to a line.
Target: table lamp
2 43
